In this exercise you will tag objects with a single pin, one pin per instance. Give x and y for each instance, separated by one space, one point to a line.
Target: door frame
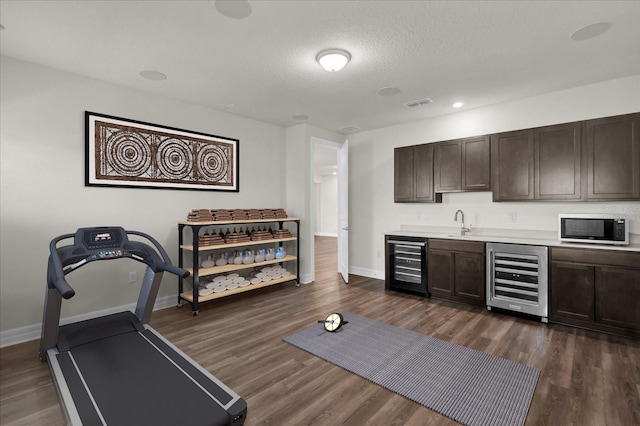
315 141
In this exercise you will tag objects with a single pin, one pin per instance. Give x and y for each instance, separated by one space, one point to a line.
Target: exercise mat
469 386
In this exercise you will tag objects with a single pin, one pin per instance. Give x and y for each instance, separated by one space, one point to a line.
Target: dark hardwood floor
587 378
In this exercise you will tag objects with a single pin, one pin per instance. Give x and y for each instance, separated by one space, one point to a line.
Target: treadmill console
105 243
108 254
100 239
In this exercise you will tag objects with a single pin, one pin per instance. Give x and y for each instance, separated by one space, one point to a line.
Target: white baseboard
32 332
326 234
369 273
305 279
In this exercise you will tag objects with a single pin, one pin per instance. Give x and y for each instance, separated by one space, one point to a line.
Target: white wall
373 212
326 205
43 194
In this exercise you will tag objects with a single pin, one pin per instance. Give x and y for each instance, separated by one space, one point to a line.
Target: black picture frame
126 153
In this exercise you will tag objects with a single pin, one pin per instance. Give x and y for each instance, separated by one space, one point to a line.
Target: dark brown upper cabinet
557 162
587 160
592 160
413 175
462 165
403 182
613 158
447 166
512 165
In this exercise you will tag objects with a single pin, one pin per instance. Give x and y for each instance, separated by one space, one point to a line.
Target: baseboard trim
369 273
32 332
305 279
326 234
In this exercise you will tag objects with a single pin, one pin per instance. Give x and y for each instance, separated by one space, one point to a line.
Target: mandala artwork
145 155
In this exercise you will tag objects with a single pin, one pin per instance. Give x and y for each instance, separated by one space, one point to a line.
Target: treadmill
116 369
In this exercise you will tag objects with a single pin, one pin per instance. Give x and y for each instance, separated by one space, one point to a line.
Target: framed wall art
126 153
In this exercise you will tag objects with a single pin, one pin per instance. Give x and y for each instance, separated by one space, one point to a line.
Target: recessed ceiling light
590 31
350 128
300 117
388 91
457 104
333 60
234 9
229 106
153 75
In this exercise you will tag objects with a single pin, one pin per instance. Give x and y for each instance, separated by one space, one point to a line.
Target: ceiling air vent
419 102
350 128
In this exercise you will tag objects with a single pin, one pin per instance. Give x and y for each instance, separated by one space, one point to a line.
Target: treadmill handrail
160 263
166 264
58 280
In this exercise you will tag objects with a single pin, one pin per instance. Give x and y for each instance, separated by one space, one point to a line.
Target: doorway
327 207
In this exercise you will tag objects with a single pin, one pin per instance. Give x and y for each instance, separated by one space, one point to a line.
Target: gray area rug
466 385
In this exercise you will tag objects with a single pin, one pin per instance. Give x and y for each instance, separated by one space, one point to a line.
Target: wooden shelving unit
189 295
193 229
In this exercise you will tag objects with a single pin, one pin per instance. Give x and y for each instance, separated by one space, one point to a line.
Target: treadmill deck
138 378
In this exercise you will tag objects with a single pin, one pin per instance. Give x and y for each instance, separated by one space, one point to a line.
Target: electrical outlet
423 216
133 277
513 217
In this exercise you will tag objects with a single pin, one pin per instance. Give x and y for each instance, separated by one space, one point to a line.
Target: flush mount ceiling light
333 60
457 104
590 31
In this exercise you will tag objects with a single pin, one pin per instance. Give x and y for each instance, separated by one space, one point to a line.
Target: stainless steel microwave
593 228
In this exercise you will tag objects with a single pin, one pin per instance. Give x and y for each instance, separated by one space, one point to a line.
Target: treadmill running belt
150 390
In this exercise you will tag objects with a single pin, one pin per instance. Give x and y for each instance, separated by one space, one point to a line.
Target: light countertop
512 236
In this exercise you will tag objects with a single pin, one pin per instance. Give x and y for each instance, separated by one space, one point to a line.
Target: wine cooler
517 278
406 265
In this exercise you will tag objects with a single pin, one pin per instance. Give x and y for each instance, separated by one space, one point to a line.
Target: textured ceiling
479 52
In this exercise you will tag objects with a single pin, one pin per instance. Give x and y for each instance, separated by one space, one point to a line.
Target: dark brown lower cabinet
618 296
596 289
456 270
572 292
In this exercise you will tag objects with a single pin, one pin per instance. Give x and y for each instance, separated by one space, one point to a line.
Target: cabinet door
476 167
440 272
447 166
512 165
470 277
557 162
618 296
403 180
613 158
571 292
424 173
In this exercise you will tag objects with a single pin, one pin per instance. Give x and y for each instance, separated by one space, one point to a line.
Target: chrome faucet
463 230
